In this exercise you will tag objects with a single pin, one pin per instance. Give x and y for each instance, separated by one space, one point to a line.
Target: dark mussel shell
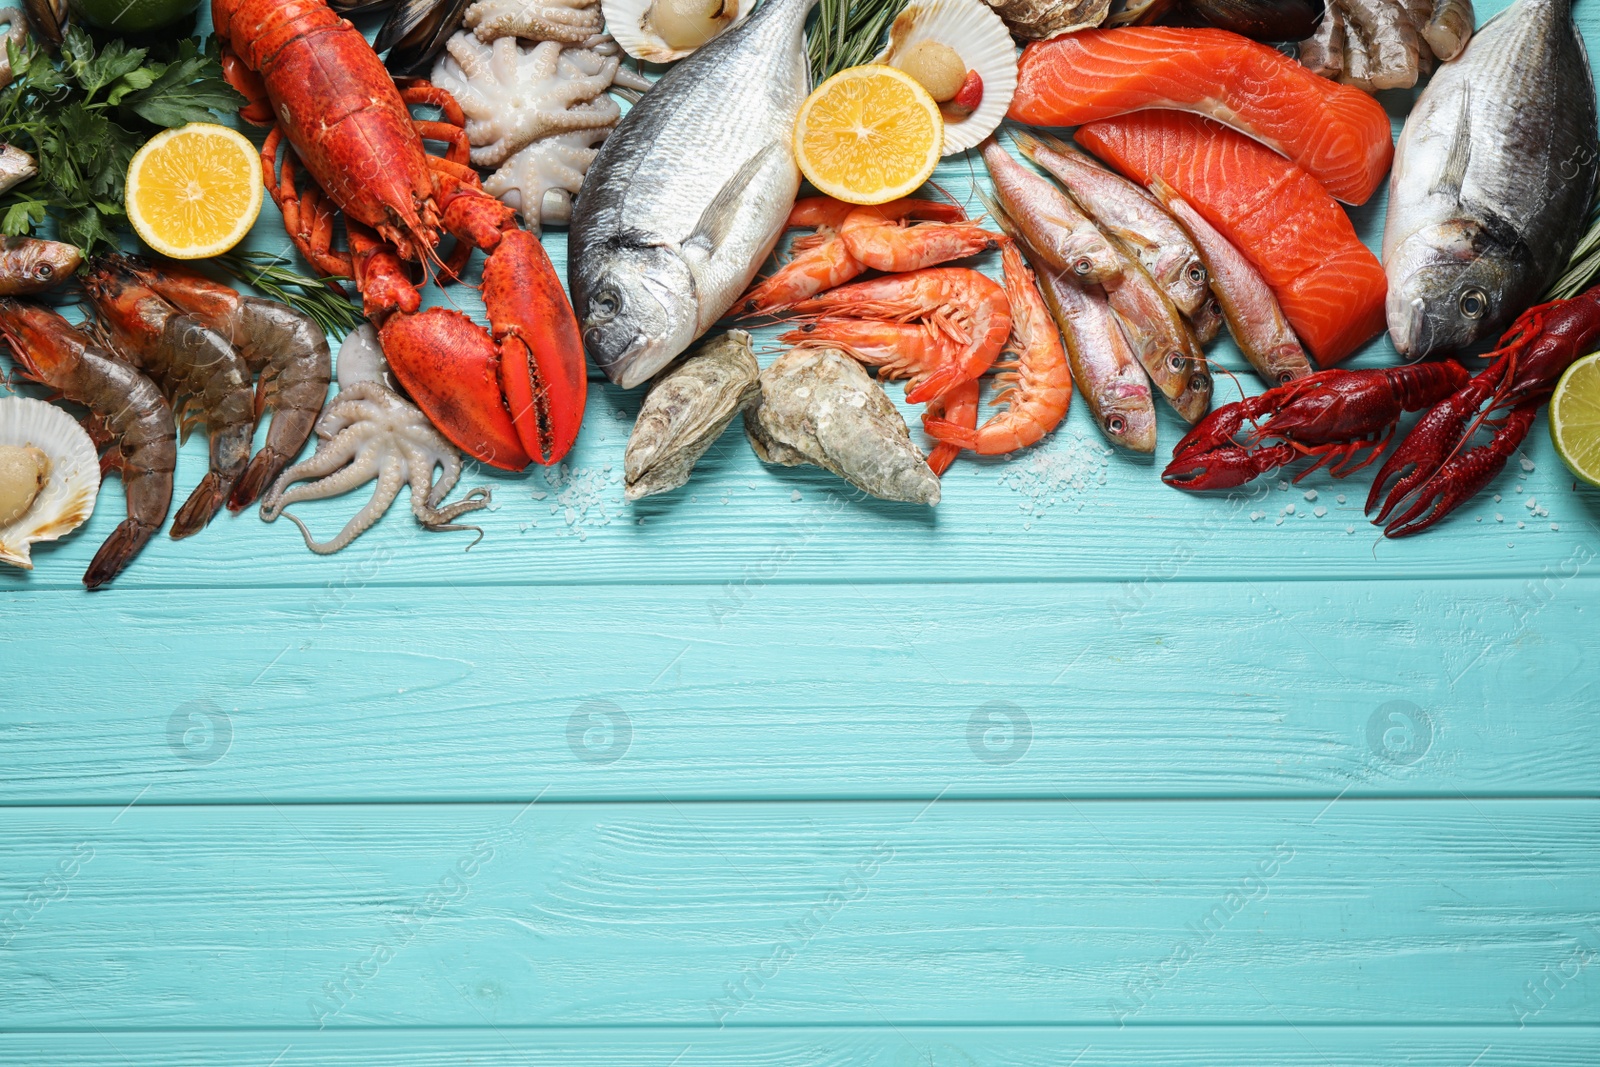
359 7
416 32
47 18
1263 20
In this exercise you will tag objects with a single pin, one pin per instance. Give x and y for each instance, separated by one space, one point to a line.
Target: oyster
661 31
818 406
49 476
984 44
1039 20
686 410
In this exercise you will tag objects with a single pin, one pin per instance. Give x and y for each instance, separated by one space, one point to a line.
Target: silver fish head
1452 283
637 308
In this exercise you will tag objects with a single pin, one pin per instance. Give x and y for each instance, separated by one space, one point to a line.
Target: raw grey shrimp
190 362
128 408
287 349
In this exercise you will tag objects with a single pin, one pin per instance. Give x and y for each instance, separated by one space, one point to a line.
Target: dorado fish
1492 176
689 195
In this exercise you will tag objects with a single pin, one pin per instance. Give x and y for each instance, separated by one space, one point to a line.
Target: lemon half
868 135
194 191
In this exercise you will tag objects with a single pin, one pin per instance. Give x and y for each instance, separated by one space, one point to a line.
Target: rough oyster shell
1040 20
629 22
984 44
686 411
818 406
68 496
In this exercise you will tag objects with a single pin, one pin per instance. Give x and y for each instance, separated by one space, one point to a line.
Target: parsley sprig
84 113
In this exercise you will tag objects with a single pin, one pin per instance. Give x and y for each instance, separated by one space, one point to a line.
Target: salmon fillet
1330 285
1338 134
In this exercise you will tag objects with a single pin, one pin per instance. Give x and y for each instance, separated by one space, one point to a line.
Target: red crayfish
506 396
1335 414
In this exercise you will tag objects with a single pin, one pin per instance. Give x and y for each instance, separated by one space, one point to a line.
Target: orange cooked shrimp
897 349
823 260
1038 384
960 407
963 305
878 237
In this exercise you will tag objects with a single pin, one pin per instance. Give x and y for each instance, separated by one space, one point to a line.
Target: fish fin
1455 164
720 215
998 213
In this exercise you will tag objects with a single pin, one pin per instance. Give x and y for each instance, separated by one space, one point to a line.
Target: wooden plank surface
901 1046
1353 911
1082 689
819 780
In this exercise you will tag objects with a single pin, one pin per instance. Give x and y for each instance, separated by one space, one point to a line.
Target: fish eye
1115 423
1474 302
1199 382
1284 377
1177 361
605 303
45 270
1083 266
1197 273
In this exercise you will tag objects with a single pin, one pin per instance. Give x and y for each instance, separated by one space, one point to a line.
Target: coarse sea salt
1061 472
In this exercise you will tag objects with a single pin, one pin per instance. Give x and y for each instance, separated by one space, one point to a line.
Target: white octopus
568 21
368 432
536 111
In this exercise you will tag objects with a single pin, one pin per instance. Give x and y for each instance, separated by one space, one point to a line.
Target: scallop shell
981 39
67 498
628 21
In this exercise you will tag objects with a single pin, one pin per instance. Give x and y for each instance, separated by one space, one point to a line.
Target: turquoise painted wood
1071 770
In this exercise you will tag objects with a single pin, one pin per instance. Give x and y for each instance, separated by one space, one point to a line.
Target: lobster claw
542 366
508 399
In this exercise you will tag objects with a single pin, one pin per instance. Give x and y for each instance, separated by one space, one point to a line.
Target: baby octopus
368 432
536 111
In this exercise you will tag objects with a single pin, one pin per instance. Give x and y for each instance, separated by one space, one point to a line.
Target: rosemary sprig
308 295
848 33
1583 266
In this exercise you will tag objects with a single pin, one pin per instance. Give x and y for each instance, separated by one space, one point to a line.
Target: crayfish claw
1459 479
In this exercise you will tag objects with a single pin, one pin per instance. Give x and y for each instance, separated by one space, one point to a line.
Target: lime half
1575 418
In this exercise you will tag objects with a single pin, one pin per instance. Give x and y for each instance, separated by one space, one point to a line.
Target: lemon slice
868 135
194 191
1575 418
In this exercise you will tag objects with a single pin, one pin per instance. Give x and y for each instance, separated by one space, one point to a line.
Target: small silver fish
1254 317
1161 340
689 194
16 167
1129 214
1051 224
1104 367
29 265
686 411
1492 177
818 406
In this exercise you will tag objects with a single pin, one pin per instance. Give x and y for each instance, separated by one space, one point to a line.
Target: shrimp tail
120 548
948 433
264 468
202 505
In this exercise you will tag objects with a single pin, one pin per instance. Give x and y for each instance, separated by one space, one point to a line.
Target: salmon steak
1330 285
1337 133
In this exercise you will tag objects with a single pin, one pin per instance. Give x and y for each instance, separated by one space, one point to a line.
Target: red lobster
508 398
1436 468
1333 415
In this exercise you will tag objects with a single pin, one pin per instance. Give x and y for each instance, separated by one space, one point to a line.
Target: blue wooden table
1073 769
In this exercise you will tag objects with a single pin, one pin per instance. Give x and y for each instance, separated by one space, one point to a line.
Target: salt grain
1288 509
795 495
1319 511
1311 494
1527 464
1339 498
1499 517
